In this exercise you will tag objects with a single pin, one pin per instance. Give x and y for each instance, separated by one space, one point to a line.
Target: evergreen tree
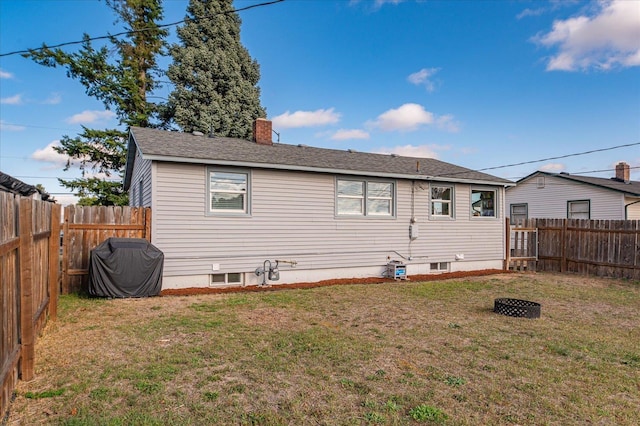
122 85
214 76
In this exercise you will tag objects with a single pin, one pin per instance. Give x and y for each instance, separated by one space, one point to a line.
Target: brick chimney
622 172
262 131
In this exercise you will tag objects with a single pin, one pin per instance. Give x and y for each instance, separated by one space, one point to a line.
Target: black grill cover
125 267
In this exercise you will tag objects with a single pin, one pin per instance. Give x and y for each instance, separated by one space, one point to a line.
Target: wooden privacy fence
521 246
85 228
608 248
29 273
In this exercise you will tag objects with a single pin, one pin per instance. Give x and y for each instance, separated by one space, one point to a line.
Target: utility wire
596 171
573 173
541 160
69 43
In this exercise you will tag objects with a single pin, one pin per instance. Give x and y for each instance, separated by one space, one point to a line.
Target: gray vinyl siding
141 173
293 218
633 208
551 201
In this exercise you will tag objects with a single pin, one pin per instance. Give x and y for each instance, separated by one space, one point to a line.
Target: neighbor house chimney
622 172
262 131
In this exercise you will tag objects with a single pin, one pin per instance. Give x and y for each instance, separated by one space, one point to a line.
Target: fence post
27 334
54 261
563 238
66 238
147 223
507 245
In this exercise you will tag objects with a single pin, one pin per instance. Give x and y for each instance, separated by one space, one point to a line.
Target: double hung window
519 212
441 201
579 209
364 198
228 191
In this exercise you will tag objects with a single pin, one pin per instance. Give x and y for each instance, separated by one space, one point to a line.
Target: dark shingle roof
631 188
16 186
185 147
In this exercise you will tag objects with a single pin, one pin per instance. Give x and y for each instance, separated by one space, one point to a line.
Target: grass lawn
389 354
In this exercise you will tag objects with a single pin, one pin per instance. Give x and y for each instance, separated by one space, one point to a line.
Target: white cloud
10 127
345 134
87 117
12 100
53 99
66 199
380 3
377 4
423 77
531 12
320 117
553 167
448 123
49 155
5 74
610 38
468 150
422 151
407 117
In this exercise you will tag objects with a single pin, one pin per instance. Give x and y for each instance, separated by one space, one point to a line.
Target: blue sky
476 83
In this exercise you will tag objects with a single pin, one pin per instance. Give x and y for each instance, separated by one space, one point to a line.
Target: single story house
230 212
562 195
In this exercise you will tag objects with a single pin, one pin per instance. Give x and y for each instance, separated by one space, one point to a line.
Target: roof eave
321 170
579 181
132 147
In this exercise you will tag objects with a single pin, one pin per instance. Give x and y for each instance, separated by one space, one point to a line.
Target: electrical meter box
397 270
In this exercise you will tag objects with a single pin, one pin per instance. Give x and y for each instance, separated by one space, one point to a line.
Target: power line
69 43
574 173
542 159
38 127
599 171
64 178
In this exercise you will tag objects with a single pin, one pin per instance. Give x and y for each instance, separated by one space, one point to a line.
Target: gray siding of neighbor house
551 200
633 210
141 173
293 218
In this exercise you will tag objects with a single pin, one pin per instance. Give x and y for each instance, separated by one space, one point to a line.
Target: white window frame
246 204
571 212
226 281
370 198
439 266
511 214
367 198
449 202
479 214
350 197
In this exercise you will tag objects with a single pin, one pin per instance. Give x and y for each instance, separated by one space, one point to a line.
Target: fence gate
522 246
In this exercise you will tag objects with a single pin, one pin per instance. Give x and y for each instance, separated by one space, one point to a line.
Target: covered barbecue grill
125 267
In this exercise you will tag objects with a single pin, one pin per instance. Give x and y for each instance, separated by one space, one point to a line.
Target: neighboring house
223 207
561 195
16 186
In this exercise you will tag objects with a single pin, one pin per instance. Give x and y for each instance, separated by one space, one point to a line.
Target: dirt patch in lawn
342 281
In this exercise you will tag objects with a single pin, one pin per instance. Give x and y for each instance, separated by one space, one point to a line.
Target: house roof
631 188
161 145
16 186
